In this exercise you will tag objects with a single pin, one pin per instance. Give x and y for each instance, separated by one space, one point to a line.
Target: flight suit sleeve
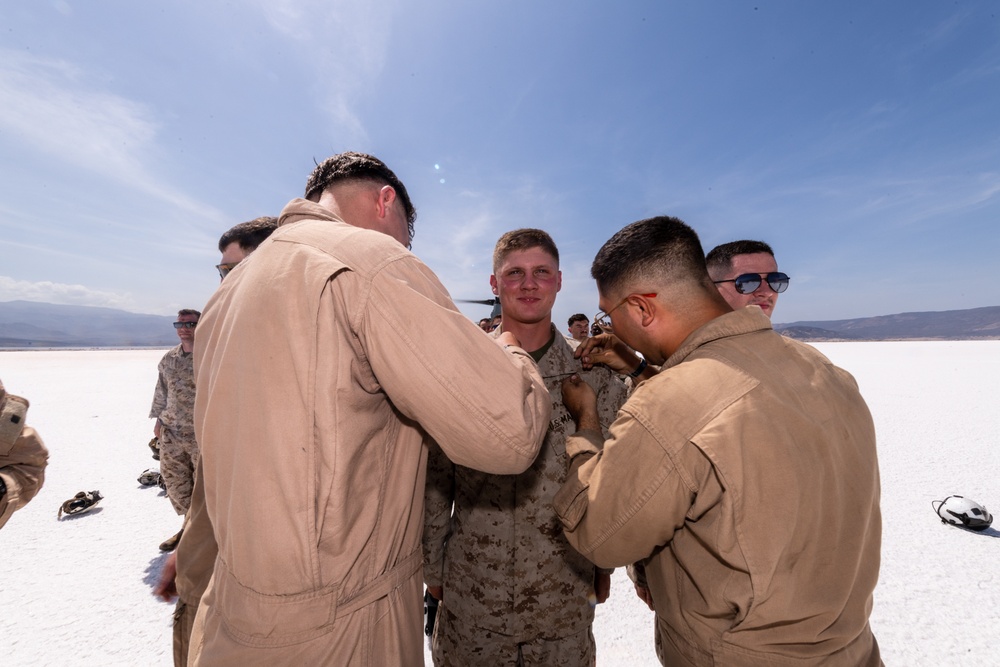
23 456
486 407
623 499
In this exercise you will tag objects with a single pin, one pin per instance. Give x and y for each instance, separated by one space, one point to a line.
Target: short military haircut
720 258
249 234
189 311
523 239
351 166
655 251
579 317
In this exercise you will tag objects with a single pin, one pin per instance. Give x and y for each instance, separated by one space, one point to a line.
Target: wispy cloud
345 42
60 293
59 109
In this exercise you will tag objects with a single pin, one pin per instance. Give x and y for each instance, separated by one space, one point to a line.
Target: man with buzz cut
315 398
744 473
512 589
746 274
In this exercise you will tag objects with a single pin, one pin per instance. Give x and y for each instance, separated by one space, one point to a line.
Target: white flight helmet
963 512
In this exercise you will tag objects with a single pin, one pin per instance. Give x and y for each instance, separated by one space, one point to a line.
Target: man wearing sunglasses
173 410
317 390
746 274
744 474
241 240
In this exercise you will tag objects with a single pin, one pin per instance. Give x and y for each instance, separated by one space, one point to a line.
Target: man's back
311 398
779 552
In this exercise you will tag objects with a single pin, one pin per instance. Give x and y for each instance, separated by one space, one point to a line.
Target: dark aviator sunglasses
748 283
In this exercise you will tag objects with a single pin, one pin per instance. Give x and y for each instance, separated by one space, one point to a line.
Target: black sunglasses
748 283
185 325
224 269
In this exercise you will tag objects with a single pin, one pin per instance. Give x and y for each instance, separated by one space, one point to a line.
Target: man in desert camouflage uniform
512 590
173 409
23 457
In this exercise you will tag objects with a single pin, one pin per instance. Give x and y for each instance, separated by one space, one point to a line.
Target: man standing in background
746 274
187 571
241 240
579 327
173 410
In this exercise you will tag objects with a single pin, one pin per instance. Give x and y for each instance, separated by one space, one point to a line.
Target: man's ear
493 284
648 308
386 195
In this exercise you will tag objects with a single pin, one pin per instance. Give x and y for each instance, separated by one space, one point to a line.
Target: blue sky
861 139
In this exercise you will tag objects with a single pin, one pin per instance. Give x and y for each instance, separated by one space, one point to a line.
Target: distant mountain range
975 323
27 324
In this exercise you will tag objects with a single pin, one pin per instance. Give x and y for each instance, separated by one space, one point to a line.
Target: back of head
523 239
352 166
655 253
248 235
720 258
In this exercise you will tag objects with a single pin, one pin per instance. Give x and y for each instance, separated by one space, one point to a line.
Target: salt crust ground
78 591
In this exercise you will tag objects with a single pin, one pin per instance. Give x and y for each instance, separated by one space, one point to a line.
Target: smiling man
512 589
746 274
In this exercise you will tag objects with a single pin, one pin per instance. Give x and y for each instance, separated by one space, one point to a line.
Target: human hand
166 588
156 428
581 402
602 586
645 595
609 350
437 592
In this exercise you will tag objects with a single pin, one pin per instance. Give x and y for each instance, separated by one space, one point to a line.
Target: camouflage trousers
183 622
456 643
178 459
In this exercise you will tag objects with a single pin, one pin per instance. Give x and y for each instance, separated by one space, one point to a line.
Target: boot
171 542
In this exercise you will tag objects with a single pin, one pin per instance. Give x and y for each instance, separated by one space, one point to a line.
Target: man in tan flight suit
23 457
315 393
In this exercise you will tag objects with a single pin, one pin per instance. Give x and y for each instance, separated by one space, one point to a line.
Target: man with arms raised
315 396
512 590
745 472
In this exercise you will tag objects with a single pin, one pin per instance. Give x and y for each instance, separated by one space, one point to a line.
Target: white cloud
55 107
60 293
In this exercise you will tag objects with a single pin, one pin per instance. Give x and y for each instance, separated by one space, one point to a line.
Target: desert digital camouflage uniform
511 581
173 405
23 456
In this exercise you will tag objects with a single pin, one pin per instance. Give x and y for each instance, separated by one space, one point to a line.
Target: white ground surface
78 591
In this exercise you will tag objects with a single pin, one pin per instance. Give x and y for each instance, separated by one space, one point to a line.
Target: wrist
639 369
